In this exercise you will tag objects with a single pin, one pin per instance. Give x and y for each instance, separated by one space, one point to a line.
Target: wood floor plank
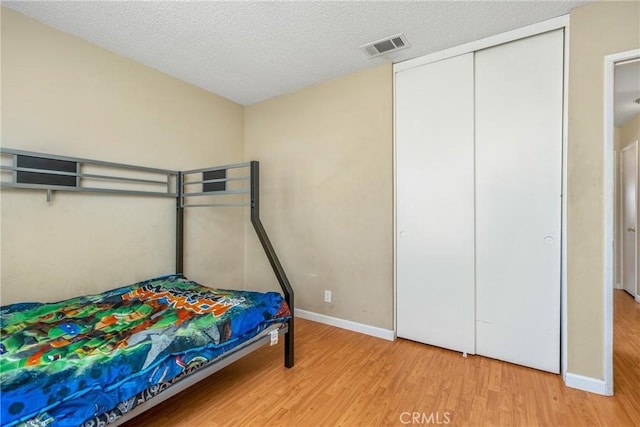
343 378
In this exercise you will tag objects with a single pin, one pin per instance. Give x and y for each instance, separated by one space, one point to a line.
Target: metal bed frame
21 169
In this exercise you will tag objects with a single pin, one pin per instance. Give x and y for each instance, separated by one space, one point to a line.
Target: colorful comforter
63 363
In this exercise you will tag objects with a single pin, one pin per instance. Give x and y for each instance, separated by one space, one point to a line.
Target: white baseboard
374 331
592 385
638 299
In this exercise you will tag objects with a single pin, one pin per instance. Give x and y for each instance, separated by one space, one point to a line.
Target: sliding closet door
518 200
434 183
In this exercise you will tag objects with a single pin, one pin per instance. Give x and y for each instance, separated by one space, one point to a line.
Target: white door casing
610 62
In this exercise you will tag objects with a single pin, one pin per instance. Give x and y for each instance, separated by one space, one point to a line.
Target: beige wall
618 244
597 30
327 202
65 96
630 132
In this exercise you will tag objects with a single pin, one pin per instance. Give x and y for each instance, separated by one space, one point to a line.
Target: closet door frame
561 22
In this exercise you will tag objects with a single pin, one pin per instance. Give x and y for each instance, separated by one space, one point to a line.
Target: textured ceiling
251 51
626 91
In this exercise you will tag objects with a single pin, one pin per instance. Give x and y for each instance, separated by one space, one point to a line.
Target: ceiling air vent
386 45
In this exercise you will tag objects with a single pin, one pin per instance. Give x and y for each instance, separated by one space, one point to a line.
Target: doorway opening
622 132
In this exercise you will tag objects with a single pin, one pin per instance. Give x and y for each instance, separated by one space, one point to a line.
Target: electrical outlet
327 295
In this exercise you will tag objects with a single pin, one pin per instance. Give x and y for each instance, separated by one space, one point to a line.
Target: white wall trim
509 36
609 223
592 385
638 299
563 225
374 331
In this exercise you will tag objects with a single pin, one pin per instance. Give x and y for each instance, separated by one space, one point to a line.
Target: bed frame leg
288 346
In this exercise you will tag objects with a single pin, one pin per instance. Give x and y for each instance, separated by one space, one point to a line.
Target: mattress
64 363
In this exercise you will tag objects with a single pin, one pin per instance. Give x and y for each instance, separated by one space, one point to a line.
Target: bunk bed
98 360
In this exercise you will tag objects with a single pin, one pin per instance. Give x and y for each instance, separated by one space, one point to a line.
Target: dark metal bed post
273 259
179 225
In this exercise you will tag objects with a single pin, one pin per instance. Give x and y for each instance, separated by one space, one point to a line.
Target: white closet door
434 183
518 200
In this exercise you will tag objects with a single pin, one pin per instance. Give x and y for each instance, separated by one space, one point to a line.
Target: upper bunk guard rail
206 193
32 170
221 176
218 168
207 181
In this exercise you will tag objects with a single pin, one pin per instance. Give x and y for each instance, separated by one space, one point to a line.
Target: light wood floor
342 378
